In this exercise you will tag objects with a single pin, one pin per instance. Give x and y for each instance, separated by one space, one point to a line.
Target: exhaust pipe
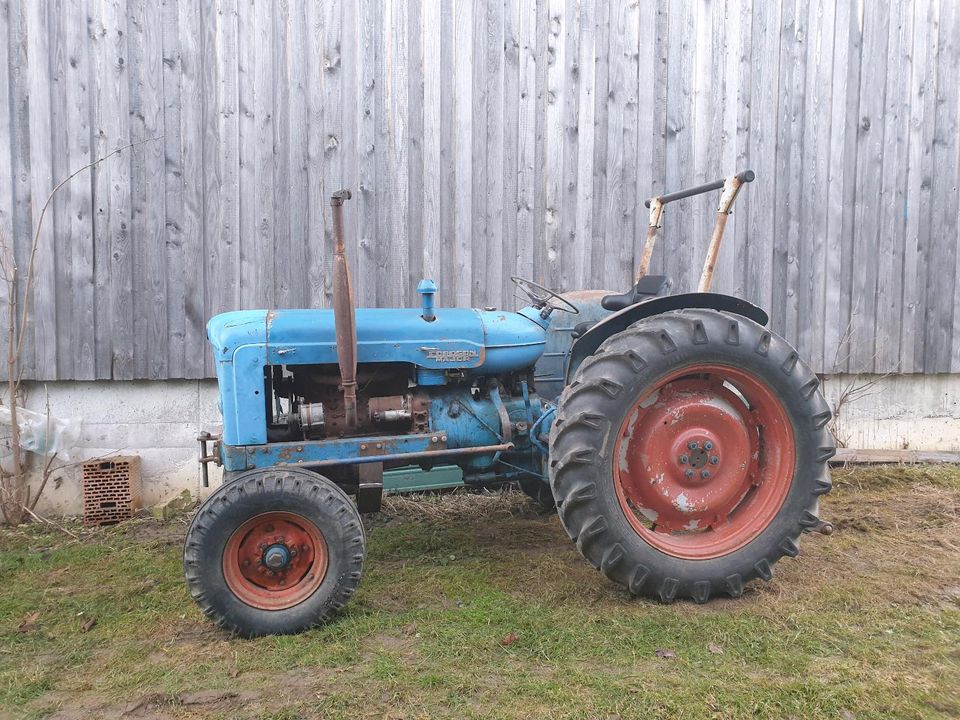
344 313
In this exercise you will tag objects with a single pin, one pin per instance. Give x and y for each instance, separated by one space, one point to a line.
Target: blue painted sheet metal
457 338
244 342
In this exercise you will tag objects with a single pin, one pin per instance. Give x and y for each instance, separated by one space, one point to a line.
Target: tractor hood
485 342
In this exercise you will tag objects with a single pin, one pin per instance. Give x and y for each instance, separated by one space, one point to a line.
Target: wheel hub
275 560
276 557
698 456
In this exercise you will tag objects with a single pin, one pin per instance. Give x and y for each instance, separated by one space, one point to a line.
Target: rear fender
587 344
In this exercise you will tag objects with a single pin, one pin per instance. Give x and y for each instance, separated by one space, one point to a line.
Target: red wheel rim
275 560
704 461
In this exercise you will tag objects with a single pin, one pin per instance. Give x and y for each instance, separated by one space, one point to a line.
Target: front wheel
274 551
689 454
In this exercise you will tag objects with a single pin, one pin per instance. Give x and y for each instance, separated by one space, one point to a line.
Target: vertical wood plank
736 129
511 137
6 133
433 189
148 209
789 168
175 267
60 264
568 260
648 83
658 78
44 290
617 97
299 55
478 167
919 181
764 110
890 242
706 131
556 89
526 141
871 119
112 203
367 181
265 250
463 154
446 261
678 238
414 140
945 200
196 362
814 199
391 240
251 263
845 90
7 202
284 269
627 219
320 140
579 260
492 290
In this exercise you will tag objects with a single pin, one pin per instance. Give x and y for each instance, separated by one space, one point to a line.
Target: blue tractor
683 444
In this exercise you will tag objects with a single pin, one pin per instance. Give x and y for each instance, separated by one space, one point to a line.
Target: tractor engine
305 403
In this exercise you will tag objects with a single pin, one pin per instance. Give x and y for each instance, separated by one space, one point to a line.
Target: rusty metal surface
731 188
656 218
389 449
404 457
344 313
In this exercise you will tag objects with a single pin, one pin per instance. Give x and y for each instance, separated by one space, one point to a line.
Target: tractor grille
111 490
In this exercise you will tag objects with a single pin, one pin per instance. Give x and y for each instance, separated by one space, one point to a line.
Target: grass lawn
479 606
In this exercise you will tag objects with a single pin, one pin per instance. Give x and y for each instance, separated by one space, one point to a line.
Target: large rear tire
274 552
689 454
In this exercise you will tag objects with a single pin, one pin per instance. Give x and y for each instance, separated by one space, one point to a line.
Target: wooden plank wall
481 140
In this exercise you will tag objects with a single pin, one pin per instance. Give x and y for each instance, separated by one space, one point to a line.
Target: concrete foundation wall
895 412
159 421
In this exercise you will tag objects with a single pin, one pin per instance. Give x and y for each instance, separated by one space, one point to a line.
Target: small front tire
274 552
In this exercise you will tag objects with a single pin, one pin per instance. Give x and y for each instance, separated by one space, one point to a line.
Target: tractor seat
647 287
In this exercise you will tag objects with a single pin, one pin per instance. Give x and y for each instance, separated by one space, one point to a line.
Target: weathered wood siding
481 140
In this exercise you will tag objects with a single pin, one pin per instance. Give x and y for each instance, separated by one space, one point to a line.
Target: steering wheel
541 296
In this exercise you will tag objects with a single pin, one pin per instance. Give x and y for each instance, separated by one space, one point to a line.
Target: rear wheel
689 454
274 551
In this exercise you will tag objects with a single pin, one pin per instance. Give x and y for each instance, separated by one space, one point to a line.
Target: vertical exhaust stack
344 313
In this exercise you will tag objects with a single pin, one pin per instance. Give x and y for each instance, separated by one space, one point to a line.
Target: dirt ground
479 606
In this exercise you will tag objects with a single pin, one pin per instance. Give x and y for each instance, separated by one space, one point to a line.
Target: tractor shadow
896 541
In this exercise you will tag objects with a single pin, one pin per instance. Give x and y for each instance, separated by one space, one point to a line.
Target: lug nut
708 445
689 473
692 445
714 460
704 474
683 459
